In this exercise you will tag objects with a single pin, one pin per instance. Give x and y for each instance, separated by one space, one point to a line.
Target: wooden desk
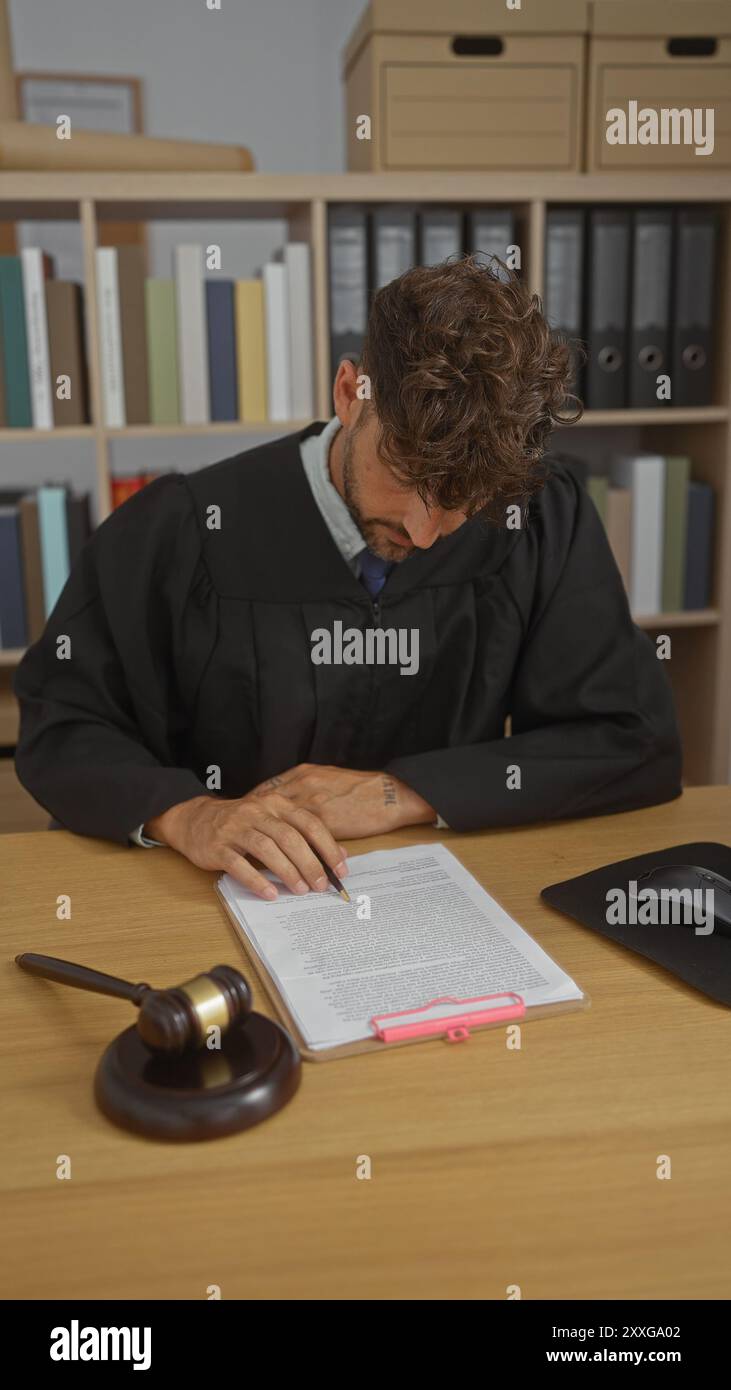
490 1167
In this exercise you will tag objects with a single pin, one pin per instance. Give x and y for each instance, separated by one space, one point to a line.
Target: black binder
696 236
348 248
565 280
607 309
652 246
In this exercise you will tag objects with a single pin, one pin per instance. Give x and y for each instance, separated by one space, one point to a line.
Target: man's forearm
164 829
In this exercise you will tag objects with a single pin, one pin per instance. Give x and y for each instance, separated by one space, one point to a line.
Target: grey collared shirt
315 454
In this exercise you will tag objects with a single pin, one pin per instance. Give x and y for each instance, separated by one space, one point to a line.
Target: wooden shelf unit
700 667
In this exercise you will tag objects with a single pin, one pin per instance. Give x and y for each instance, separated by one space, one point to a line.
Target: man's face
389 514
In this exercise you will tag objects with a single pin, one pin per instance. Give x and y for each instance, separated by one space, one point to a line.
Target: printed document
418 927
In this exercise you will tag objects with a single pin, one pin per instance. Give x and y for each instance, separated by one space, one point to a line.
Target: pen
332 877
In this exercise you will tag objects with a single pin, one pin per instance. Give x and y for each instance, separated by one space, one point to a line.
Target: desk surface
489 1167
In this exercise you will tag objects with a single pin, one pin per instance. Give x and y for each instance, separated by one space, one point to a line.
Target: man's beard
370 527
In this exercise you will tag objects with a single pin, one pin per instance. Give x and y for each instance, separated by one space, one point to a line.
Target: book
36 267
698 546
126 487
251 350
35 612
276 314
18 410
431 931
301 332
222 368
3 415
597 486
64 313
13 628
677 477
192 335
131 283
162 352
53 532
67 516
110 337
644 475
619 530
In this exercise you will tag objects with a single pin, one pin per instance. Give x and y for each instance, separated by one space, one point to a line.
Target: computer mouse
693 877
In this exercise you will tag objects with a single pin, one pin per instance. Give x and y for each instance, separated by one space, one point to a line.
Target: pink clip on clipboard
456 1027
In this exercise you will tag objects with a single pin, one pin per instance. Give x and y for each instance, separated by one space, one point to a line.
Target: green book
162 352
597 486
677 478
18 412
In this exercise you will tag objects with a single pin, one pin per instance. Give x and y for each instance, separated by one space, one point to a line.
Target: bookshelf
700 667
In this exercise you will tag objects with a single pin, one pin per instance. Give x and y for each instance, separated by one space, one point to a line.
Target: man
324 637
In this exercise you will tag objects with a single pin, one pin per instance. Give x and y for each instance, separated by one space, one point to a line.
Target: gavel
172 1020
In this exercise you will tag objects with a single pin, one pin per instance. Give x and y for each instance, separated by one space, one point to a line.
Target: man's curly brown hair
467 381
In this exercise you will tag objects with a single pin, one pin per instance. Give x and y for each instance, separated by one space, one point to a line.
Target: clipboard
406 1026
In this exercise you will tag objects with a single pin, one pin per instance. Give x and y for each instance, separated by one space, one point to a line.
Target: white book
644 475
297 264
192 335
110 337
36 327
431 931
276 319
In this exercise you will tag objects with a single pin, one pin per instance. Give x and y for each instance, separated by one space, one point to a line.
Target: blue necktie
373 571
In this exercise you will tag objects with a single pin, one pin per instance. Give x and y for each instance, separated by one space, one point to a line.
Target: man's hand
349 803
217 834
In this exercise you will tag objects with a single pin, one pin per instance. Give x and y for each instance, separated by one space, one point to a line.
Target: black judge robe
191 649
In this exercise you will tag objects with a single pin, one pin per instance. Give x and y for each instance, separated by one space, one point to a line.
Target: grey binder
441 235
393 232
491 232
348 266
564 281
652 237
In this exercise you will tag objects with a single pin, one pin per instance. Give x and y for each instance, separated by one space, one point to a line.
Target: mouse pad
702 961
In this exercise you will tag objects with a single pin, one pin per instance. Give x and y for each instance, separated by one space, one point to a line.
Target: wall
265 73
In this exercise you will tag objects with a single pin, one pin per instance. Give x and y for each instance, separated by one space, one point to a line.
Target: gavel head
177 1020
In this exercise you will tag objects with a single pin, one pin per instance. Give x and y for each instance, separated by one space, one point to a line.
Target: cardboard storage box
663 64
467 85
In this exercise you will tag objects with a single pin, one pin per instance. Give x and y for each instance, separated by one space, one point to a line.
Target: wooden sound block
204 1094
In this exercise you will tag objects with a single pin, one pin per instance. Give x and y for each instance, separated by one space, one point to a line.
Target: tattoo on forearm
274 782
389 791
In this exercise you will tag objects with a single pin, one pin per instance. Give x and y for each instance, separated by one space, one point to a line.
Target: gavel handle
64 972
